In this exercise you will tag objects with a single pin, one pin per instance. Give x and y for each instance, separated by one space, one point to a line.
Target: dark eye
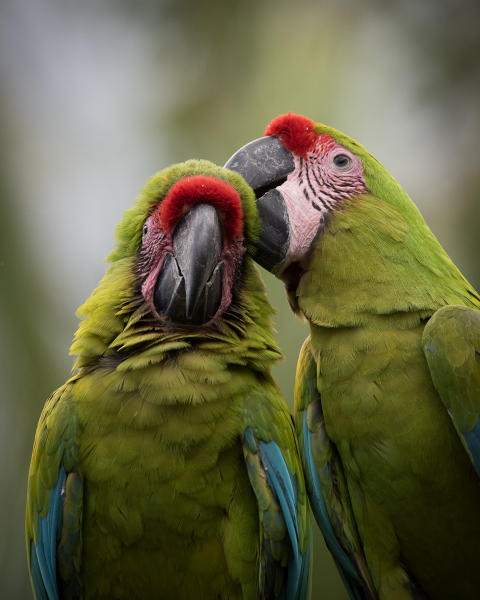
145 230
342 161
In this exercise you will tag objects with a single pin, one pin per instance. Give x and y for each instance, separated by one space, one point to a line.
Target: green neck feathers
374 259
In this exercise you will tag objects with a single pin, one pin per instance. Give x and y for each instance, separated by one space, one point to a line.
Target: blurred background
96 96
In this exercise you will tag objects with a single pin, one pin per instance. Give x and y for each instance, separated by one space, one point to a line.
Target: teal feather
320 510
45 551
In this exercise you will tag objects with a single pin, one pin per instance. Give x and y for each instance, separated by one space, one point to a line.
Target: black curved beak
265 164
189 287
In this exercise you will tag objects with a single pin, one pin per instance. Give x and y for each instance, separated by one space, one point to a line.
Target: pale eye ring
145 230
342 161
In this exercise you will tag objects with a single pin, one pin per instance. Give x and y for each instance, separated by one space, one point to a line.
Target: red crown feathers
297 133
203 189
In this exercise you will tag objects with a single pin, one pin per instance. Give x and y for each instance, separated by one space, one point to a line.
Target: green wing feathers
325 480
451 343
55 502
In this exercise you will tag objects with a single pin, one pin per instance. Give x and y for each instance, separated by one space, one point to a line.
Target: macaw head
178 261
191 246
304 174
301 172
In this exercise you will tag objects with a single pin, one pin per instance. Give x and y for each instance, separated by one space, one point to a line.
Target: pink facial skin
155 244
324 177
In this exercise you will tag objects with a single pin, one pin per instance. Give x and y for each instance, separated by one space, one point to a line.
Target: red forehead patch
326 142
297 133
201 189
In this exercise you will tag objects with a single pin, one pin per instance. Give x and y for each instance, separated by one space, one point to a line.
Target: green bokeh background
97 96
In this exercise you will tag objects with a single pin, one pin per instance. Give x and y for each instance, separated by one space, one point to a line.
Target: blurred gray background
96 96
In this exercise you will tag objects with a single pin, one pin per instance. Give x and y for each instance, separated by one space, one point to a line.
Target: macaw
167 466
387 397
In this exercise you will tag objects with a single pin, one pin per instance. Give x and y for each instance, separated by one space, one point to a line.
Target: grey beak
189 286
265 164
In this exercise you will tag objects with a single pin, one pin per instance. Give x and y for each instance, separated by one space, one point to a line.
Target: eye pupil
145 230
341 160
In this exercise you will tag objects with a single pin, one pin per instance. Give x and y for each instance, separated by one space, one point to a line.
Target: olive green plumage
387 394
375 277
158 500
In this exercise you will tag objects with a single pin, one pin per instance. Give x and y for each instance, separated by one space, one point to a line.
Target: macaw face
300 178
191 248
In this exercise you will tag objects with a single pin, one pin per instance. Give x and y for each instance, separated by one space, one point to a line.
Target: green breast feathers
168 466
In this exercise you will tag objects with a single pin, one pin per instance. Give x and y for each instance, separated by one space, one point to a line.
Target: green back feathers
112 314
378 256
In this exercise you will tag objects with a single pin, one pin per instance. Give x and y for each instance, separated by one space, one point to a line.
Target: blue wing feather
347 568
472 439
270 468
282 484
306 566
451 342
43 563
326 481
40 591
320 510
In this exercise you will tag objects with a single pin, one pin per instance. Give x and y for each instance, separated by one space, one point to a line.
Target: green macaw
387 397
167 466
